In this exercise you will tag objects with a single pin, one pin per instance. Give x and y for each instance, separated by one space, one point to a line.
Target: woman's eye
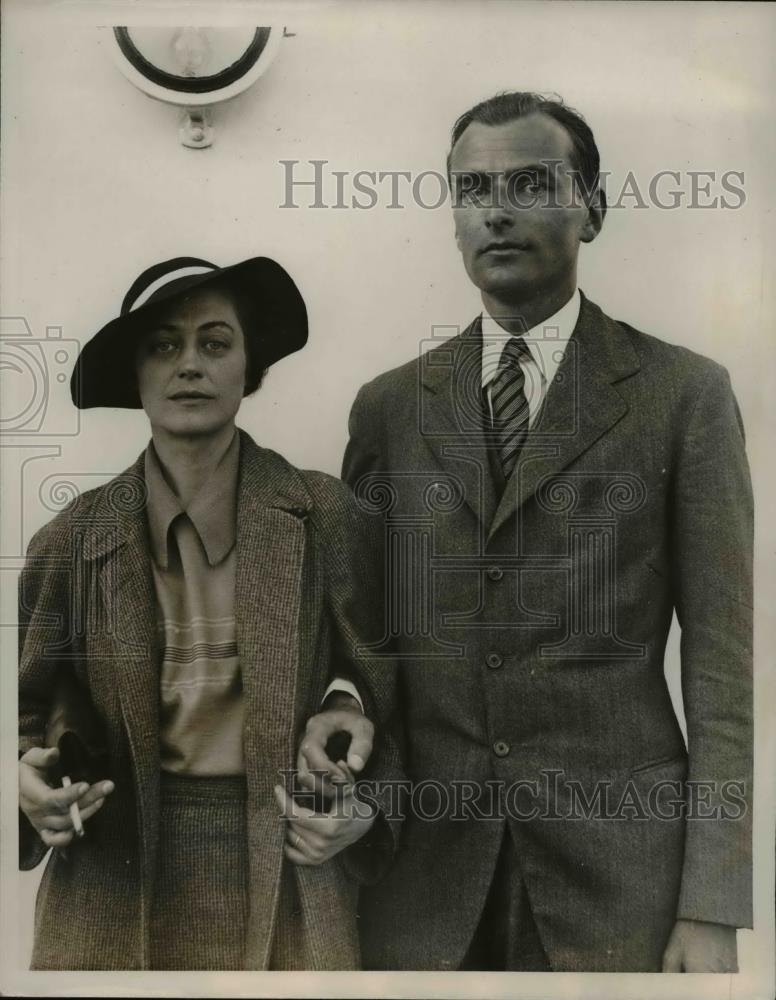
162 347
216 345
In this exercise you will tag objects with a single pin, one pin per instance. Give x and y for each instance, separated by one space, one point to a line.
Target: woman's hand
313 838
47 808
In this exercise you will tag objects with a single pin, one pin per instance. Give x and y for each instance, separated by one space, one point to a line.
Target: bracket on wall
194 67
196 129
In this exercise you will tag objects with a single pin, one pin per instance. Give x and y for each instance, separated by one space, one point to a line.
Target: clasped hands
314 837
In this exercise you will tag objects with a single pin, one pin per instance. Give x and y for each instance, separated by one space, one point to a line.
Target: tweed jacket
539 663
305 601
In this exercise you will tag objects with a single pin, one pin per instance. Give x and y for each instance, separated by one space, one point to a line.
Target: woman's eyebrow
211 323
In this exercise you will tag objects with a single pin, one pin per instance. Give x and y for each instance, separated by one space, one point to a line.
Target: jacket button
495 573
500 748
494 660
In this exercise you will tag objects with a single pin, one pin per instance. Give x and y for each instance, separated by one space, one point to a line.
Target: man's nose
498 211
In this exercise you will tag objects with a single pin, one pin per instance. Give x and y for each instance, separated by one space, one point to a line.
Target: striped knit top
194 561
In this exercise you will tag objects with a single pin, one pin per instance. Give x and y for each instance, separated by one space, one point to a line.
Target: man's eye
471 186
529 182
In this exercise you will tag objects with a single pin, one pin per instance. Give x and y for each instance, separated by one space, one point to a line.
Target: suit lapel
451 417
581 404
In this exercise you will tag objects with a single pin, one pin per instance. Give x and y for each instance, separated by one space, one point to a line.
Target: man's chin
505 284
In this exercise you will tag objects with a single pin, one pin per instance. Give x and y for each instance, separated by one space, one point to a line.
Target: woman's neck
188 462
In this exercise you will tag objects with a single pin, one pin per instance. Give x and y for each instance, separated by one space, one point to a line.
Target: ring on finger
298 841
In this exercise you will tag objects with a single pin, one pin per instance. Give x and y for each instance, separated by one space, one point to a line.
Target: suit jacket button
500 748
495 573
494 660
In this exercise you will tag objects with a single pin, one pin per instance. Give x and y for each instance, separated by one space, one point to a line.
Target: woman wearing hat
203 600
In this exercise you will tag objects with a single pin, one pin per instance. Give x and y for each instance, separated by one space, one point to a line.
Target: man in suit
556 484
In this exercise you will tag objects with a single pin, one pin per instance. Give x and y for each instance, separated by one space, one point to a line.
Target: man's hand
342 714
697 946
47 808
313 838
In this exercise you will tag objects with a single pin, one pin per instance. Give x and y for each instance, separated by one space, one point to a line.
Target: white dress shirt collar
546 341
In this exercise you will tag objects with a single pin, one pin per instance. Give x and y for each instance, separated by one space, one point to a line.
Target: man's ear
596 211
592 225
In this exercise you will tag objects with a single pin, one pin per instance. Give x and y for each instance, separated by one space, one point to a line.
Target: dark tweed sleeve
45 638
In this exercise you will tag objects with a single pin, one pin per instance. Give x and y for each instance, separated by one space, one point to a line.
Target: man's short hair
513 104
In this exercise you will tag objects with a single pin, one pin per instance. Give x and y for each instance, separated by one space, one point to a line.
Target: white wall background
96 187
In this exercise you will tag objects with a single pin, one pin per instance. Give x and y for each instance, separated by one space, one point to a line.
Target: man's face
191 366
518 219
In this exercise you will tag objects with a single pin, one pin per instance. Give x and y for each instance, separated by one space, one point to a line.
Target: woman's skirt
201 899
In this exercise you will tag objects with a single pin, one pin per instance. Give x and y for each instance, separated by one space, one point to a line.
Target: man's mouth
503 246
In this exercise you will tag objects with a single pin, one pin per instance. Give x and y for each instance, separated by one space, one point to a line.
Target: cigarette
75 812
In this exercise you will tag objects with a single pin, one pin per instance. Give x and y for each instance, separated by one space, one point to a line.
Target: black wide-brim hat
270 306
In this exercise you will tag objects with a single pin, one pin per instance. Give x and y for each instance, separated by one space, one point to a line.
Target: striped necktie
509 404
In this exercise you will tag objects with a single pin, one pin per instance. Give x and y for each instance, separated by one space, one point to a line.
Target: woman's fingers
289 809
53 838
54 821
38 800
304 838
61 822
99 790
302 847
49 808
296 856
91 809
41 757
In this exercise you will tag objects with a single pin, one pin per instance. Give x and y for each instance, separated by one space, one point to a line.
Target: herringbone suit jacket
531 626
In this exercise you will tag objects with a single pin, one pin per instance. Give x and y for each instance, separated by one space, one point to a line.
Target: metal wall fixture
194 68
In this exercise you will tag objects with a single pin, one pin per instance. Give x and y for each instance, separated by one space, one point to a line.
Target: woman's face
191 366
